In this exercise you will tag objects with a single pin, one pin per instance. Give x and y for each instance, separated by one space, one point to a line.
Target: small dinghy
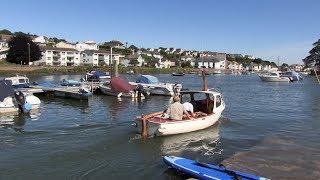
206 171
178 74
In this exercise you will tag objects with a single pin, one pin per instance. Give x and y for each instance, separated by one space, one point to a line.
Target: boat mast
204 81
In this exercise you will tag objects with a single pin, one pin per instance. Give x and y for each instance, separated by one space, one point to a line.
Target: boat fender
27 107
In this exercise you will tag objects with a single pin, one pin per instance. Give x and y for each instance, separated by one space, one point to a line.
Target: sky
263 28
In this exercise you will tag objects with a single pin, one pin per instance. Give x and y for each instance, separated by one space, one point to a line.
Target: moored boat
97 76
292 75
178 74
274 77
120 87
152 84
19 81
7 101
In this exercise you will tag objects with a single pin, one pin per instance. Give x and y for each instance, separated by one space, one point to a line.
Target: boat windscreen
6 89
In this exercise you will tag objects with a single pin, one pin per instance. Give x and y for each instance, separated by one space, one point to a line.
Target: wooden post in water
204 81
144 127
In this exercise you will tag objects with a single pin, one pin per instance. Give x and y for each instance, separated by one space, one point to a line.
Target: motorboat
97 76
19 81
207 104
7 100
120 87
292 75
178 74
154 87
274 77
27 101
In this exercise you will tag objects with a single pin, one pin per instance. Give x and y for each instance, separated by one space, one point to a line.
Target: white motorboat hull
8 106
163 89
274 79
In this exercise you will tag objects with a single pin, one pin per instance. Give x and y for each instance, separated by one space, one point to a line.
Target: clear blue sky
263 28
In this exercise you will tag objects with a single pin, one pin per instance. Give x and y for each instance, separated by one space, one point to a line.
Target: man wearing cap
176 109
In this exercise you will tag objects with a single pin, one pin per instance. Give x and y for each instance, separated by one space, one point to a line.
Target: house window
49 58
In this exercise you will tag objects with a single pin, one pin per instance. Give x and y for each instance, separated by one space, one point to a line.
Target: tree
313 59
5 31
186 64
19 50
133 62
284 66
134 48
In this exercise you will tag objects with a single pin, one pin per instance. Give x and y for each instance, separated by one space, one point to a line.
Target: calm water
271 129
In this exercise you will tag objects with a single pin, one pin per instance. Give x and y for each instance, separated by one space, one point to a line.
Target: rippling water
271 129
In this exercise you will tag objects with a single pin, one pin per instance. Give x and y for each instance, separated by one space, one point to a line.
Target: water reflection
205 141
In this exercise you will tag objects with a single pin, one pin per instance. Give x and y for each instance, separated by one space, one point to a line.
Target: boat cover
147 79
98 74
6 89
119 84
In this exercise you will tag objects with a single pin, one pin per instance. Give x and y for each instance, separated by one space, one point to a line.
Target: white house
54 56
88 45
3 45
40 40
296 67
97 57
235 66
3 53
255 67
214 60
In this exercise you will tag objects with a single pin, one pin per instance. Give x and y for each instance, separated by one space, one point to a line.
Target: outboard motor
142 90
23 105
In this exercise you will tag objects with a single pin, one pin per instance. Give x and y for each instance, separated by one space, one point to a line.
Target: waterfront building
3 53
296 67
255 67
98 57
54 56
233 65
212 60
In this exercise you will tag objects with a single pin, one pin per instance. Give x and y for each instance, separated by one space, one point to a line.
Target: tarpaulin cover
99 74
6 89
147 79
119 84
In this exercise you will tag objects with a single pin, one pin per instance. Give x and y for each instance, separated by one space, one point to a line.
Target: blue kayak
206 171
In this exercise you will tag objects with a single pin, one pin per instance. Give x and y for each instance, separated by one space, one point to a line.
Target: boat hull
178 127
108 91
8 106
274 79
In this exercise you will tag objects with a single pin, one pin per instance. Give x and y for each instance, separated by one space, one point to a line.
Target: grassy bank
7 69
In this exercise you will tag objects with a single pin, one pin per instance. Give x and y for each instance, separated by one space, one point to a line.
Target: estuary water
270 129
